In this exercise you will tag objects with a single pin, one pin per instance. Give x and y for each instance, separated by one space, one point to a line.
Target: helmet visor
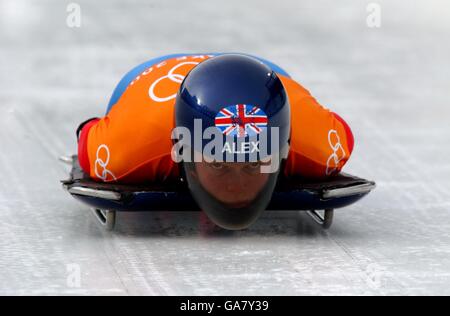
233 195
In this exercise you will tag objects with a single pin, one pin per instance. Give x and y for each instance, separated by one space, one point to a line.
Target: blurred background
382 65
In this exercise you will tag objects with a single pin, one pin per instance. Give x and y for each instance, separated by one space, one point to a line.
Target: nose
235 189
234 182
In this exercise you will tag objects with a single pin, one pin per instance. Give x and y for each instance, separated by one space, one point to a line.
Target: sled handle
349 191
107 195
66 159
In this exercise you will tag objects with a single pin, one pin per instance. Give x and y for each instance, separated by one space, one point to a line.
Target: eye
254 165
216 165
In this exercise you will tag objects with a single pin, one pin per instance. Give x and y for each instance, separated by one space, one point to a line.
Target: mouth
238 204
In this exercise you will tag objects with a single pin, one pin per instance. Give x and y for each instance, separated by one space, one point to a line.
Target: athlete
231 125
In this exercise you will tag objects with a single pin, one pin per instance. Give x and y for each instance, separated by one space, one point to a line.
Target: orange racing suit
132 142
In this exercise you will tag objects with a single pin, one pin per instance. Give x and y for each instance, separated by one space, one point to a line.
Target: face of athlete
234 184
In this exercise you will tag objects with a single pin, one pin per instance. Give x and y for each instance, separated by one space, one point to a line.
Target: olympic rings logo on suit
335 158
103 164
177 78
172 76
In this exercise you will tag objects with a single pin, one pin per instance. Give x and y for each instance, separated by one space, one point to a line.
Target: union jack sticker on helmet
241 120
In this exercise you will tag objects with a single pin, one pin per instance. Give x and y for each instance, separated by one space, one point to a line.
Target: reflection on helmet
244 102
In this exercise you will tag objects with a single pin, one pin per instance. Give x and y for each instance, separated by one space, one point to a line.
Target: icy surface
390 83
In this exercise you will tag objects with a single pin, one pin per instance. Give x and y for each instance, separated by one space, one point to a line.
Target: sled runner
312 196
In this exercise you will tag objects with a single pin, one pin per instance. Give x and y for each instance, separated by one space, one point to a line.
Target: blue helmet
232 112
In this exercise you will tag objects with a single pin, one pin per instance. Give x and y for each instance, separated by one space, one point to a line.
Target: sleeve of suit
82 136
321 140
